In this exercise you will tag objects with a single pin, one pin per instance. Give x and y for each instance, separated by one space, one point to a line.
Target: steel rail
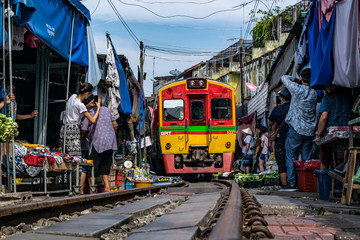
230 223
31 212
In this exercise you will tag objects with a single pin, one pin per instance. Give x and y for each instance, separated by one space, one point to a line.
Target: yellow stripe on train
179 144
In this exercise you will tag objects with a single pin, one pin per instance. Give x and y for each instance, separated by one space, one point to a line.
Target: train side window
221 109
197 110
173 110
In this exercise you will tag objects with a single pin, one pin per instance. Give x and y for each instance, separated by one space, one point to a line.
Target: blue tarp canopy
51 23
23 11
81 8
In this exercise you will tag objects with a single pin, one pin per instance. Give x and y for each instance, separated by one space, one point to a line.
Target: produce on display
254 177
8 128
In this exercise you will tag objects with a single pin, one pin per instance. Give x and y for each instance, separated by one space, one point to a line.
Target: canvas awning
51 23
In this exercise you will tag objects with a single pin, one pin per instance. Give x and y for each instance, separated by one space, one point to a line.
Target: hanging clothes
346 45
18 38
113 77
125 104
320 60
327 7
136 104
302 56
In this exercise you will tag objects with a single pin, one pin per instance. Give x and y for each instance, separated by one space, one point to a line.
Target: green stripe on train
198 128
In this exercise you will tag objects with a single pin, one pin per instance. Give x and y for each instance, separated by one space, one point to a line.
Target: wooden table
349 185
344 141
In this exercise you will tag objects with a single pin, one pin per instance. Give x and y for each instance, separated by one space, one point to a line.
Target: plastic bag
356 178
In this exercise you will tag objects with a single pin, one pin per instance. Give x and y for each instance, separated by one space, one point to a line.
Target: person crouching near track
102 140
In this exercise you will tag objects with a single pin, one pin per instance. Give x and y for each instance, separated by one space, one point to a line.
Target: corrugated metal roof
258 102
189 69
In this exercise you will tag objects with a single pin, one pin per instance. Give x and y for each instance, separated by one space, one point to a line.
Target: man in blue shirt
335 110
302 122
277 117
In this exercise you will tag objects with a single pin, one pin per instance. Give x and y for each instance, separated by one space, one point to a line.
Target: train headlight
168 146
192 83
228 144
201 83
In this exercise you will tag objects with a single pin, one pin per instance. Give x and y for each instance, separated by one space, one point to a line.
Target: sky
166 27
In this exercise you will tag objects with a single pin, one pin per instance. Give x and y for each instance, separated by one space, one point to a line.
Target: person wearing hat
302 122
247 150
280 130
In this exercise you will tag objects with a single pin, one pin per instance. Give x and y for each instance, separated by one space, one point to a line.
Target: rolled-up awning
23 11
51 23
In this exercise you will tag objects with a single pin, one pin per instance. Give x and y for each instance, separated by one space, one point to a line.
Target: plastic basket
129 185
271 181
324 183
307 180
250 184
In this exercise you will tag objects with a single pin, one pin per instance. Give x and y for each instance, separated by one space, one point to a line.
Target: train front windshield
173 110
221 109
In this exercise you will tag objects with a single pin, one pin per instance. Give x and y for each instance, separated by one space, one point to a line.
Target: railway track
216 210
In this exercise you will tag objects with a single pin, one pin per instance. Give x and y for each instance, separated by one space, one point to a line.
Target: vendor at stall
76 110
335 110
12 98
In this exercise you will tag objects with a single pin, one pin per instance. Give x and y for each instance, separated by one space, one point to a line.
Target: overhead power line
128 29
180 47
186 16
181 52
199 3
172 25
172 60
96 7
251 18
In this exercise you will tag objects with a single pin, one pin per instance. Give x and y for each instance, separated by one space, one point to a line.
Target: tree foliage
266 28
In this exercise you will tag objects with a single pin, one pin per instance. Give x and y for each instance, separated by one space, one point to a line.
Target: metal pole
4 87
145 150
12 105
241 42
68 79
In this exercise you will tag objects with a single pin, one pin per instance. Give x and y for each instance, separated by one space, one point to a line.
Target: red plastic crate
119 178
307 180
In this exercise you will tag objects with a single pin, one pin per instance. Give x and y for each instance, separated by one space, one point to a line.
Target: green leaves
8 128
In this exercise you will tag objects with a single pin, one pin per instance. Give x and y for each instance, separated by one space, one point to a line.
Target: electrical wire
95 8
180 15
128 29
173 25
182 52
251 18
199 3
172 60
180 47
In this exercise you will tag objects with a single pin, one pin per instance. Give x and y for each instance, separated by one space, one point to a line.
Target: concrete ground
298 215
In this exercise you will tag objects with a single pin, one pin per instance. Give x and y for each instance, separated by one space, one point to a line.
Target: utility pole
241 47
142 59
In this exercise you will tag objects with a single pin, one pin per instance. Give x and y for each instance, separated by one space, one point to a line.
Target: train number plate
165 133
